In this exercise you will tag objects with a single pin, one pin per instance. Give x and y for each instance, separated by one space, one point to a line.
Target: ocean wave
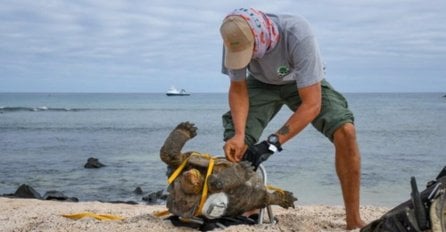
11 109
84 129
36 109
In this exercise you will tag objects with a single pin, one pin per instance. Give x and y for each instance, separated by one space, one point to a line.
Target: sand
39 215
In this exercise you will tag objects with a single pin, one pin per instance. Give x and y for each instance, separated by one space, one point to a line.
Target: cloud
140 46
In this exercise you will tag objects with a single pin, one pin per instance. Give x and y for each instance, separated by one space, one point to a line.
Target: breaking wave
36 109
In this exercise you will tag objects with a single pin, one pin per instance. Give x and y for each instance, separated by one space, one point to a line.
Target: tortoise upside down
233 188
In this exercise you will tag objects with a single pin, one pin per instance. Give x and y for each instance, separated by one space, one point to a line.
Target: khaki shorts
266 100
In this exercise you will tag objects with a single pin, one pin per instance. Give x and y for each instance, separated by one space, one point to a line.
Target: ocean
46 138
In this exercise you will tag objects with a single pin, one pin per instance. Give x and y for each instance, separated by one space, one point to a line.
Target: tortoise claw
188 127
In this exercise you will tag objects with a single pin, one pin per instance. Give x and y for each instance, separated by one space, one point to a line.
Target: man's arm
311 98
239 105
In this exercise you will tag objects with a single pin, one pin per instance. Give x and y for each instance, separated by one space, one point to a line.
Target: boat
172 91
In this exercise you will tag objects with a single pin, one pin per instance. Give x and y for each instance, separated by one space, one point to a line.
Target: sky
148 46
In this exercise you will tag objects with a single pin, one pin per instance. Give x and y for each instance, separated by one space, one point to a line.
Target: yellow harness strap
100 217
204 192
177 172
161 213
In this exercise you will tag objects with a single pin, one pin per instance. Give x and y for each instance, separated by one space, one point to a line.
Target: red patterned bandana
264 29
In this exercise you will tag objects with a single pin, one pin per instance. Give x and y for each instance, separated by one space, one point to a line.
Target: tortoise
233 188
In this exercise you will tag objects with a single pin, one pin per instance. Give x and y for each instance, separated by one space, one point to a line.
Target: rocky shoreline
28 192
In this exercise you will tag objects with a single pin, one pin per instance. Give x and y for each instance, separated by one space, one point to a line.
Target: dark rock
54 195
93 163
138 190
151 198
26 191
155 197
8 195
72 199
122 202
59 196
164 196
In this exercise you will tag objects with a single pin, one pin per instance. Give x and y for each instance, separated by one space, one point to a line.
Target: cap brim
240 59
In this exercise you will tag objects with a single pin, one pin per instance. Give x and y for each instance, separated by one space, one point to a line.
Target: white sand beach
39 215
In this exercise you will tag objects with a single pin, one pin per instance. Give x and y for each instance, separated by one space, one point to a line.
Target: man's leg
335 121
348 169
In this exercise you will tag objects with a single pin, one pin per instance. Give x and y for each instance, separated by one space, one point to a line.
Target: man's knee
346 132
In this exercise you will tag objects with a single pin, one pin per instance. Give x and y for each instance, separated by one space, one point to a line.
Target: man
281 57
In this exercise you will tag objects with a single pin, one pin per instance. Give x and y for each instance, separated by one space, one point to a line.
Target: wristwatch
273 141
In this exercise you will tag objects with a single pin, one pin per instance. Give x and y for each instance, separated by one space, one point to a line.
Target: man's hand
258 153
235 148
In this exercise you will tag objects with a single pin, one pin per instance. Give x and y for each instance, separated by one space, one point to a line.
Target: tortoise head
192 181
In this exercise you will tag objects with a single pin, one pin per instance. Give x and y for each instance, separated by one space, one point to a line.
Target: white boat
172 91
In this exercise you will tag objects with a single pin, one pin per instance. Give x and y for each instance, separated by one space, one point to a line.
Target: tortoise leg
170 152
284 199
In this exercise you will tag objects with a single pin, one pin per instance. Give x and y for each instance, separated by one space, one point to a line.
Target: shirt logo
283 71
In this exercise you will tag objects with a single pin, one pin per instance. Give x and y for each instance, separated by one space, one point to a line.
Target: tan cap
238 40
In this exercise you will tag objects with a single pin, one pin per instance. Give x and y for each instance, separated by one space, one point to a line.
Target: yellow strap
161 213
100 217
177 171
204 194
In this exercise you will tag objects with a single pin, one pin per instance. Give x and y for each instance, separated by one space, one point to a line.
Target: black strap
209 225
